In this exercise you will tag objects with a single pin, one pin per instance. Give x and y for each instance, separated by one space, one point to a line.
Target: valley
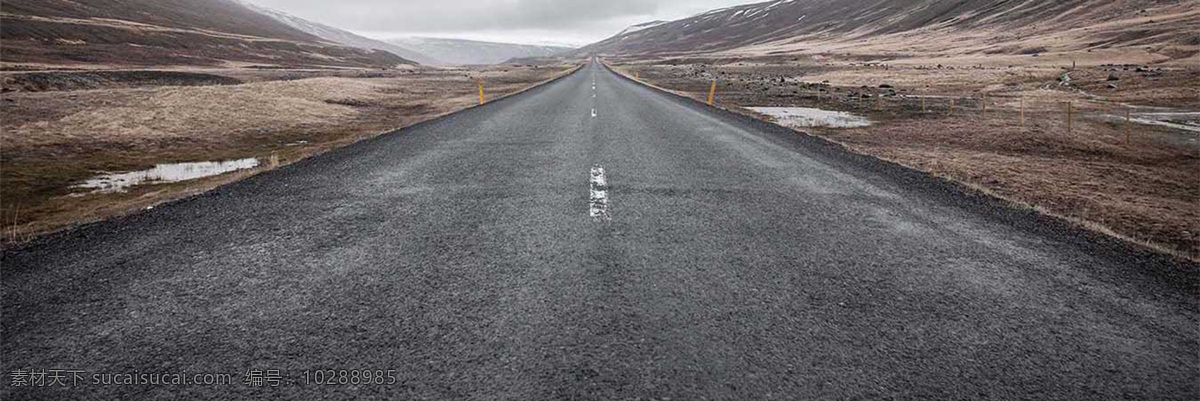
790 199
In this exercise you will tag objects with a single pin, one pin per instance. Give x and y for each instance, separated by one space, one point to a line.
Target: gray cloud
571 21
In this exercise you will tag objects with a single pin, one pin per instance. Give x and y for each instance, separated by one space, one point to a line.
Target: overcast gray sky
576 22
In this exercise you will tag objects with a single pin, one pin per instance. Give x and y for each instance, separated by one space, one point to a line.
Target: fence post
983 104
1127 119
951 106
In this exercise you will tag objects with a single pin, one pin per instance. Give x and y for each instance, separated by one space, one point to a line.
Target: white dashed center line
599 202
593 113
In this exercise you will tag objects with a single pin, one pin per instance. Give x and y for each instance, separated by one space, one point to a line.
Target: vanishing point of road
594 238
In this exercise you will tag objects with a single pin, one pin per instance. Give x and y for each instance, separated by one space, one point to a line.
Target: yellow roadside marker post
712 92
480 92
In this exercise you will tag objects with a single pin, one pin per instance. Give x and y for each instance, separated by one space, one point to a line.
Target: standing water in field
804 117
1184 120
164 173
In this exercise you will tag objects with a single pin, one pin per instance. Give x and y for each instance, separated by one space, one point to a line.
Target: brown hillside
923 27
107 33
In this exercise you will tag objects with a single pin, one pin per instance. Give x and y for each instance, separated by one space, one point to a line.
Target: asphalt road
485 256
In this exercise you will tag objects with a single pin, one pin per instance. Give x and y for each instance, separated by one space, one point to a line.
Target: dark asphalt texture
741 261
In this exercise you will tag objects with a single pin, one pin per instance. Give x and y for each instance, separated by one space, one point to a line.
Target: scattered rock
1112 86
886 86
1034 51
1112 76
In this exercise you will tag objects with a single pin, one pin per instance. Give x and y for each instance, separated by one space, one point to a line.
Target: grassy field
1142 187
53 140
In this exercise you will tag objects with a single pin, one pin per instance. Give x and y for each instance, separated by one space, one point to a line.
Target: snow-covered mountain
465 52
429 51
341 36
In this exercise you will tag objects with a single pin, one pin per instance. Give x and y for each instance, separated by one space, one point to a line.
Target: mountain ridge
467 52
340 36
133 33
914 26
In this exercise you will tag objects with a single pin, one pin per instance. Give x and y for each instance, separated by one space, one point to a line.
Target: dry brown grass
54 140
1145 191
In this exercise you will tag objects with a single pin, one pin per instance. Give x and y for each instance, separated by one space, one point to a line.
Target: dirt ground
1003 130
61 128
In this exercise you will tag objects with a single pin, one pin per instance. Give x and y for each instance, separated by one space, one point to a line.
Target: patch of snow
804 117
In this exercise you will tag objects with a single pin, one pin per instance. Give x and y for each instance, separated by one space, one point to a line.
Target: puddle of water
1187 121
162 174
804 117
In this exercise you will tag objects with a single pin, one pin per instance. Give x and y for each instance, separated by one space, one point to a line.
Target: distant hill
468 52
918 27
341 36
640 27
122 33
